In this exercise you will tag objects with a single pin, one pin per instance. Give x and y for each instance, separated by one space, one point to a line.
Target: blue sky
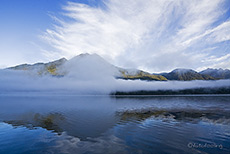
153 35
22 21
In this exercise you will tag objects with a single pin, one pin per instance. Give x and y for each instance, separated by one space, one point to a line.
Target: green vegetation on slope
50 68
142 76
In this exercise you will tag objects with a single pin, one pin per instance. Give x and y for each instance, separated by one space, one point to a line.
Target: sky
153 35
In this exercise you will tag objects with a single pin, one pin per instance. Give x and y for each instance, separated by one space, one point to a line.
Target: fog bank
86 83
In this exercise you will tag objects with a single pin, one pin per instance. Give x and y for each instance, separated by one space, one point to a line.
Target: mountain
130 74
89 66
186 75
93 66
86 66
217 73
50 68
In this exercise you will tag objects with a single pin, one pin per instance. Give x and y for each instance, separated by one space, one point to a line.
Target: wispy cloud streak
155 35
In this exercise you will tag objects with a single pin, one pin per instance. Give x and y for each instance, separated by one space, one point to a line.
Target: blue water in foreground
109 124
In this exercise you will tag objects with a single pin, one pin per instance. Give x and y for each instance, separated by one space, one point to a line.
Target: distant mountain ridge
42 68
94 64
186 75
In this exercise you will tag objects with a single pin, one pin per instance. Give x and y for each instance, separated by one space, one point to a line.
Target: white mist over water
89 81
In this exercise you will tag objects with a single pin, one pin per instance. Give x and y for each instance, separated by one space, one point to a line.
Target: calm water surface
107 124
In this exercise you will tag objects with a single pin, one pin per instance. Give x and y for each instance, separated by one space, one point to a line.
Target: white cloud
217 62
155 35
221 32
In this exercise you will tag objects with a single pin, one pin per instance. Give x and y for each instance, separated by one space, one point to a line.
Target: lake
56 123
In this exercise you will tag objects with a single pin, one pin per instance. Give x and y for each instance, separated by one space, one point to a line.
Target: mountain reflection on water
49 122
102 124
212 116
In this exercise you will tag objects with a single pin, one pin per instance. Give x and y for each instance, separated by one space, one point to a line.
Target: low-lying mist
90 81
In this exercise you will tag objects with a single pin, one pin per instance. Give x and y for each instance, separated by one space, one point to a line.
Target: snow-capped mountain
217 73
186 75
87 65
